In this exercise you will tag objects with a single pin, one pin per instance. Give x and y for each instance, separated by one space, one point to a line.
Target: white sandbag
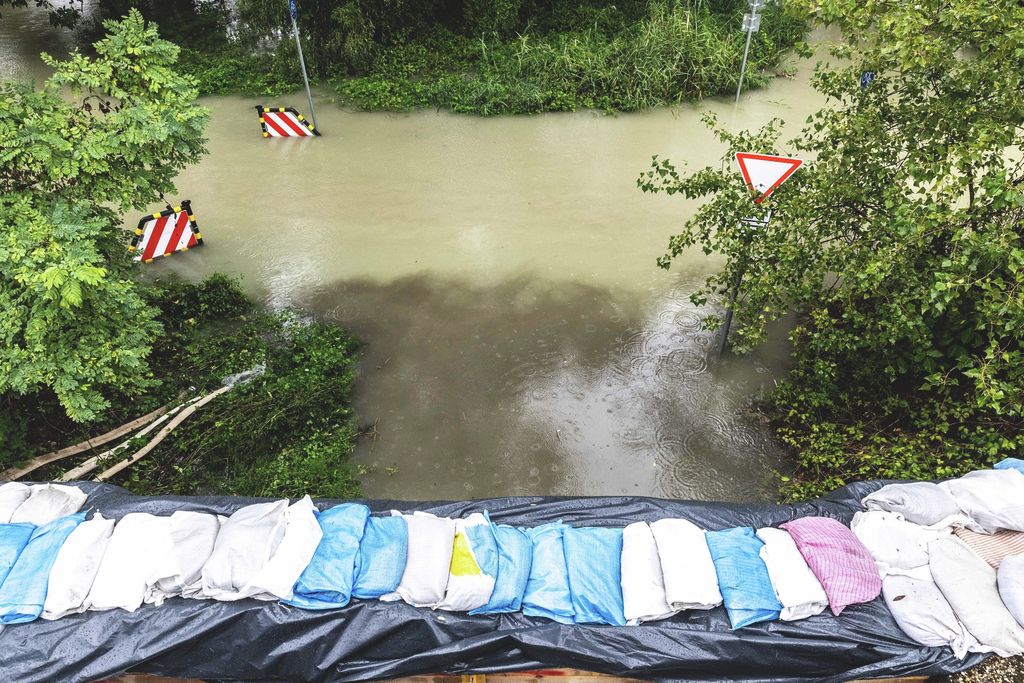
47 502
993 499
425 577
643 587
969 585
691 581
193 535
302 535
920 609
246 542
795 585
898 546
12 495
138 553
75 568
919 502
474 565
1010 580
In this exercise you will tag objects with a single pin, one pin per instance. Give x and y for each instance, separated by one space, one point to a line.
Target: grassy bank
559 56
287 432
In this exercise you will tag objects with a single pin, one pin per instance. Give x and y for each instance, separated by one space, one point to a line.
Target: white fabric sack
969 585
993 499
75 568
643 587
47 502
691 581
138 553
247 540
12 495
919 502
193 535
898 546
302 535
795 585
474 565
429 558
920 609
1010 579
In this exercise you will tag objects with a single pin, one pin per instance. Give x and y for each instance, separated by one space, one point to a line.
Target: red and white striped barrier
166 232
284 122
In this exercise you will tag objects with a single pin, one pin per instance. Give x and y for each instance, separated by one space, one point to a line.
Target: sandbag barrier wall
252 640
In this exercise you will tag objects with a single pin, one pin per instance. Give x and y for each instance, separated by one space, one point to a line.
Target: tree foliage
71 319
899 243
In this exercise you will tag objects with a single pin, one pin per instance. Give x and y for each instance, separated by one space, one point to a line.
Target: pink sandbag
838 559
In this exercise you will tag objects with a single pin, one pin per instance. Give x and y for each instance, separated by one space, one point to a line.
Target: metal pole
728 312
743 66
293 10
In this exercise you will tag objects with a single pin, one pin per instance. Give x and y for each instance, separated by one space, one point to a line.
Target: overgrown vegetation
475 56
900 243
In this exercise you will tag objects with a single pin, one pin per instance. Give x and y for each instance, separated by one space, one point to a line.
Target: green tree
71 317
899 243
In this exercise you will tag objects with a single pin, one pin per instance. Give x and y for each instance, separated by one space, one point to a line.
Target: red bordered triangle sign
764 172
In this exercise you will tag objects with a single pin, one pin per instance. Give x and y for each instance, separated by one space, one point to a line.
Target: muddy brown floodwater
519 338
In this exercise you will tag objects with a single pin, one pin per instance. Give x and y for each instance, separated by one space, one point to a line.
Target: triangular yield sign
763 172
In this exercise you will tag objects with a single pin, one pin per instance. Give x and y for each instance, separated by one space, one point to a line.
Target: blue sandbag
547 590
593 556
380 562
24 590
743 577
13 538
515 555
326 582
1010 464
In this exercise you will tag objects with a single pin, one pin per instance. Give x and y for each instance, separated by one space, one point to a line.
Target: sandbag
924 614
742 577
691 581
381 559
24 590
474 566
276 579
75 567
897 546
920 502
139 552
12 495
431 541
13 538
192 539
969 585
1010 582
993 548
795 585
643 587
1010 464
547 590
515 555
47 502
246 542
327 581
838 559
592 556
992 499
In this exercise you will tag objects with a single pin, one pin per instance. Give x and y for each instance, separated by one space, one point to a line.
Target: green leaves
899 243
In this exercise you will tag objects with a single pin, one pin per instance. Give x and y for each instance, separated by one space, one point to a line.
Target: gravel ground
993 670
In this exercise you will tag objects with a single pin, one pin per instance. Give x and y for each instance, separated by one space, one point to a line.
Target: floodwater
519 338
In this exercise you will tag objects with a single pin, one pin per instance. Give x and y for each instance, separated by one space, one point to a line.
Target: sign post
751 24
293 10
763 174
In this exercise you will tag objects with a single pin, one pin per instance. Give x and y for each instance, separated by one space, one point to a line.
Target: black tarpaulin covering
259 641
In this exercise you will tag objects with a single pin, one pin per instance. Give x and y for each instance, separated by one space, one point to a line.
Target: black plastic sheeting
258 641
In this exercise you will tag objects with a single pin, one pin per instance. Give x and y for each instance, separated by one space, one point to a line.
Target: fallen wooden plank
41 460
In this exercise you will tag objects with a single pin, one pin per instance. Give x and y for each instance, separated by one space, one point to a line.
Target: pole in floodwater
728 312
293 10
751 24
